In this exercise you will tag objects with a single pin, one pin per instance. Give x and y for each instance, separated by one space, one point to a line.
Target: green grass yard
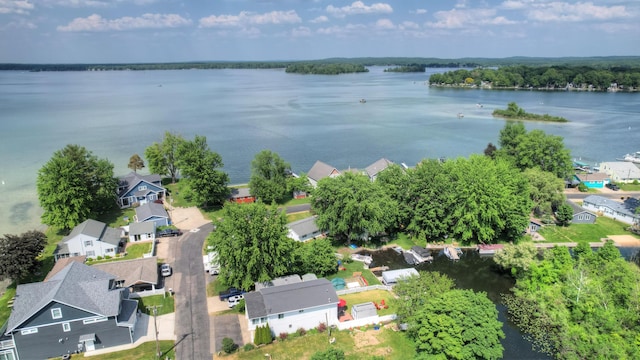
371 296
585 232
352 267
165 304
145 351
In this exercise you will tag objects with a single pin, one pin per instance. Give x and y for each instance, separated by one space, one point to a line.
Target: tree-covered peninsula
407 68
515 112
325 69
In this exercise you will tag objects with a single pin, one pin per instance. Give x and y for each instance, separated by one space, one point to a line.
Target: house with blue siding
581 215
624 211
594 180
136 189
153 212
78 309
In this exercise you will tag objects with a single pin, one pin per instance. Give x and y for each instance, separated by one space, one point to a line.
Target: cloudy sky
54 31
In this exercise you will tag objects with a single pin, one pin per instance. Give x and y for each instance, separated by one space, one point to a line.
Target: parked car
169 232
235 300
165 270
613 187
225 295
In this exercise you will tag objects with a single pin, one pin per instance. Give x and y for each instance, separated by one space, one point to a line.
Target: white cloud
19 24
301 31
458 19
96 22
421 11
512 5
249 18
385 24
319 19
408 25
562 11
358 7
15 7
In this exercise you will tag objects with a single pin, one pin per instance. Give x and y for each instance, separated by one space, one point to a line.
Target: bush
582 187
248 347
263 335
331 354
283 336
240 307
99 258
321 327
228 345
301 332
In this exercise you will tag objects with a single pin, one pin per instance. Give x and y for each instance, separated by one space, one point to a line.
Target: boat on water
634 158
460 115
489 249
419 255
453 253
362 258
362 101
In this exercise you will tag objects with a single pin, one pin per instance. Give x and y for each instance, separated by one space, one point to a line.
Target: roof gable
320 170
150 210
132 271
304 226
131 181
378 166
290 297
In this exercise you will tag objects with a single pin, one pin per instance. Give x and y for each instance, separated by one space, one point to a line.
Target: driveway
227 326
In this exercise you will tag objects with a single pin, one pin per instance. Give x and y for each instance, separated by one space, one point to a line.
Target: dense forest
513 111
325 69
407 68
593 62
543 77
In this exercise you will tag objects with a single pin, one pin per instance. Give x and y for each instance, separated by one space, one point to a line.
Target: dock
452 253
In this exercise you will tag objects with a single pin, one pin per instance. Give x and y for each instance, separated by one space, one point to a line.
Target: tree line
325 69
515 112
542 77
407 68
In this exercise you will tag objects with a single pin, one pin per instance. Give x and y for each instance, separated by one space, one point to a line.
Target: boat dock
452 253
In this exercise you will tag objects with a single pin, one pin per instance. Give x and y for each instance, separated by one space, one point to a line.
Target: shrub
283 336
301 331
582 187
635 182
321 327
331 354
99 258
228 345
248 347
240 307
263 335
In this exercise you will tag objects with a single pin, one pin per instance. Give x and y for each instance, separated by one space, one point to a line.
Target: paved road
192 317
610 195
298 208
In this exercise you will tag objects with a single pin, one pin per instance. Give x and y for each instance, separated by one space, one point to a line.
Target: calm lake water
302 118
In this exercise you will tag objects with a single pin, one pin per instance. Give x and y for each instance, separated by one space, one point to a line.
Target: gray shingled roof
90 227
304 226
147 227
76 285
577 209
375 168
133 179
623 169
240 193
283 280
132 271
292 297
320 170
599 176
149 210
628 207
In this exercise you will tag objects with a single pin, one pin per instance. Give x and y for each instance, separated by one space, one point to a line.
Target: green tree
19 254
135 163
564 214
547 152
74 185
329 354
413 292
490 150
517 257
546 190
269 174
228 345
252 244
459 324
317 257
163 156
509 135
395 182
200 168
352 207
299 183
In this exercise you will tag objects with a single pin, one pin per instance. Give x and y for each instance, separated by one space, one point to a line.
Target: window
7 355
142 187
263 320
91 253
56 313
280 316
94 320
255 321
109 250
29 331
66 327
88 243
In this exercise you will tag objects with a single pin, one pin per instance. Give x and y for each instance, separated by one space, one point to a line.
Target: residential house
534 226
299 194
304 229
136 189
282 280
137 275
391 277
78 309
152 211
287 308
621 171
142 231
580 215
241 196
377 167
319 171
61 264
92 238
593 180
622 211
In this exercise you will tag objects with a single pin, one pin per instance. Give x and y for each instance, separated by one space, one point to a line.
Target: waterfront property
142 231
391 277
593 180
621 171
137 275
319 171
154 212
78 309
139 189
377 167
91 238
287 308
621 211
241 196
304 229
581 215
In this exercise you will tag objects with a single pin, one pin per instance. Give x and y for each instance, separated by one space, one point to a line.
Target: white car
165 270
235 300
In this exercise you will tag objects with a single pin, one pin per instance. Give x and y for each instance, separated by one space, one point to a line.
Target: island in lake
515 112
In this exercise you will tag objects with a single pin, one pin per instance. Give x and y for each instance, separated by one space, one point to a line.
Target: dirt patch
624 240
366 338
187 218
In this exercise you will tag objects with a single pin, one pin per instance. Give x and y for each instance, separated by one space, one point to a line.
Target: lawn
357 345
298 216
585 232
355 266
165 304
629 187
145 351
368 296
404 241
134 251
117 217
292 201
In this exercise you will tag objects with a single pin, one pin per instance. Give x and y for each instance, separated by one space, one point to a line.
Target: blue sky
73 31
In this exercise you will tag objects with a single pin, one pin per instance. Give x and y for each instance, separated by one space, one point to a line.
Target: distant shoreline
543 89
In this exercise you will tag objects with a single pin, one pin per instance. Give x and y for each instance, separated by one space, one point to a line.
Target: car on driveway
169 232
235 300
613 187
165 270
225 295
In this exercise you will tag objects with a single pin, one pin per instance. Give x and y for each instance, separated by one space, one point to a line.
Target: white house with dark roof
154 212
621 211
581 215
78 309
139 189
621 171
319 171
304 229
286 308
142 231
377 167
91 238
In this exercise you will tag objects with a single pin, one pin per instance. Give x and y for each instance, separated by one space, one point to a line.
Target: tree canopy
269 174
316 257
200 169
74 185
18 254
252 244
546 191
135 163
163 156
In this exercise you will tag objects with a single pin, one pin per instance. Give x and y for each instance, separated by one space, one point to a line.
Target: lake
303 118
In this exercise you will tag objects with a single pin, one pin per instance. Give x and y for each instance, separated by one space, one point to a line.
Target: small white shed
392 276
364 310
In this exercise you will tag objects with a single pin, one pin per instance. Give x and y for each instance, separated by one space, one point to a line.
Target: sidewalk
144 332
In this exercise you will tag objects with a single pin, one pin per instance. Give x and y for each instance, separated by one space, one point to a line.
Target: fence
153 249
371 320
361 289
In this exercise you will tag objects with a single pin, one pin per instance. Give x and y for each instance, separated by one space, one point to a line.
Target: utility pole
154 308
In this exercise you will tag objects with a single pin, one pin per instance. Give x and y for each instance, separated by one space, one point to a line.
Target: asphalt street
192 317
614 195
